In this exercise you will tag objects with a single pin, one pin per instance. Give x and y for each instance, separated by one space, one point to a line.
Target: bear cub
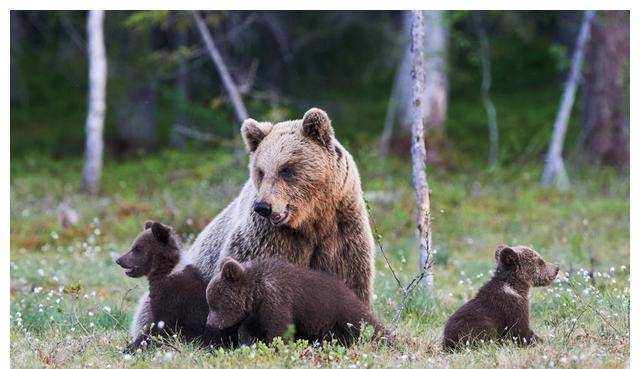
176 289
268 296
500 310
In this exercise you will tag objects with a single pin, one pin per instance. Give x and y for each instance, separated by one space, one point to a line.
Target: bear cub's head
229 295
294 167
156 243
525 265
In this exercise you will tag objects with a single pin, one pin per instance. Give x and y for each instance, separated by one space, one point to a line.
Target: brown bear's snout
123 262
262 208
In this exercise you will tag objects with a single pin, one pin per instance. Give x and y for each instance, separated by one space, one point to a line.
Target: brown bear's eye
260 174
540 262
137 248
286 172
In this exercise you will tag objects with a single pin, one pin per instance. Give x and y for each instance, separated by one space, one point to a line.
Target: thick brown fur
500 310
268 295
176 290
318 219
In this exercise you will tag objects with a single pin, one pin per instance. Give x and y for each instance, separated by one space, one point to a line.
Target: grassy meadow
71 305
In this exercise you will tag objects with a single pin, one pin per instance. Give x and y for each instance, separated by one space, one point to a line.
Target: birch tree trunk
418 149
97 102
397 100
230 86
554 170
436 88
485 58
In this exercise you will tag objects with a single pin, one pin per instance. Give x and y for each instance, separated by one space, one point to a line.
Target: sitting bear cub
176 290
500 310
268 295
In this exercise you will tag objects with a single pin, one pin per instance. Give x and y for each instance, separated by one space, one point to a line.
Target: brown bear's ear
508 256
161 232
317 125
254 132
232 270
148 224
499 248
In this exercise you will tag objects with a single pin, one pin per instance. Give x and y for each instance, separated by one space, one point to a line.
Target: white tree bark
400 83
485 59
436 84
419 150
230 86
97 101
554 170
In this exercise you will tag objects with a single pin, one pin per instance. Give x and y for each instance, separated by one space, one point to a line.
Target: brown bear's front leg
531 338
525 335
274 321
250 331
142 342
349 256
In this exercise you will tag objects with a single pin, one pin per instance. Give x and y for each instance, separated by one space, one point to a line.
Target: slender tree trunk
392 108
436 89
97 101
605 129
418 149
554 169
485 58
230 86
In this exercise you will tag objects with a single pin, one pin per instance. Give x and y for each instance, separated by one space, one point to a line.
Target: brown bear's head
294 167
526 265
228 295
155 240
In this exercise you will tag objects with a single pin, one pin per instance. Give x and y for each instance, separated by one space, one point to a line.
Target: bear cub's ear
148 224
317 125
232 270
254 132
161 232
506 256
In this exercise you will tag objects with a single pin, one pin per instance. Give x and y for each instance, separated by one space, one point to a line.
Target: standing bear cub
500 310
268 296
176 289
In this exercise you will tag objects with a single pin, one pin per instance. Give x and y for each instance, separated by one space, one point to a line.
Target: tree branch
230 86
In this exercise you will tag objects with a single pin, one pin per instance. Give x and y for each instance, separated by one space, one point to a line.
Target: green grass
71 305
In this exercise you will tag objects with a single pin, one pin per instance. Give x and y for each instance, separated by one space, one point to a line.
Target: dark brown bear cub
269 295
500 310
176 290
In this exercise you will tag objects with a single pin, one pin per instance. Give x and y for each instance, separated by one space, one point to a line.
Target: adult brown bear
303 202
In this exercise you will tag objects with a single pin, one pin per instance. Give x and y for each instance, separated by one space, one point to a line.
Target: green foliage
353 86
146 20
